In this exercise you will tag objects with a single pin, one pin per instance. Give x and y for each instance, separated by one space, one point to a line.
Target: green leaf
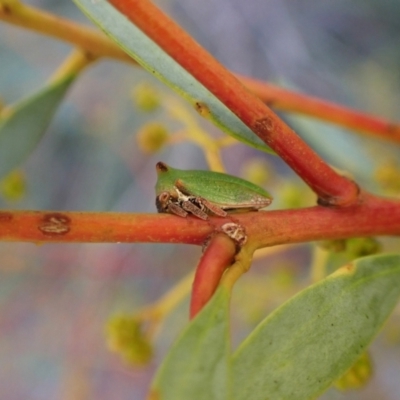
196 367
346 151
151 57
25 124
309 342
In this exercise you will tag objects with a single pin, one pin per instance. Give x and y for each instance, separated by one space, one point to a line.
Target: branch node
350 198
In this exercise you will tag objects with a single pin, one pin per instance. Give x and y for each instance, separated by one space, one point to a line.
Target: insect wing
226 191
222 190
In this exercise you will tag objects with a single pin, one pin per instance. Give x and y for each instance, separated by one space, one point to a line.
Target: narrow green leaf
25 124
151 57
305 345
196 367
346 151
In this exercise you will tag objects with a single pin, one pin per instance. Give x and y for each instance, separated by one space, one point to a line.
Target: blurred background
56 299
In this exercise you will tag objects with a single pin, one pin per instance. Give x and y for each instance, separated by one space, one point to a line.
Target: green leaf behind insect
309 342
151 57
196 368
26 122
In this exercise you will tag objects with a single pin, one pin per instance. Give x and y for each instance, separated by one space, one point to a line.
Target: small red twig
287 100
282 99
331 188
373 216
100 227
216 258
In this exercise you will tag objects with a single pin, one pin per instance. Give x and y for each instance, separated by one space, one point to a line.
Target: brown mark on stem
5 9
55 224
332 201
326 202
236 232
5 217
89 55
271 102
392 128
263 127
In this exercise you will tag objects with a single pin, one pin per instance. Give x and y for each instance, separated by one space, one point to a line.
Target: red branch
275 96
373 216
287 100
331 188
218 255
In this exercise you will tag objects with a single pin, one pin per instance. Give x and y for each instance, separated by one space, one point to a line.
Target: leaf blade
24 126
151 57
197 366
300 349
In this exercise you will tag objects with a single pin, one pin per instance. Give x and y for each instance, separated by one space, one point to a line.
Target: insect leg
213 208
201 201
177 210
192 208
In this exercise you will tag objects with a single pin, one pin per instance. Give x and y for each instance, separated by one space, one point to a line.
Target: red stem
286 100
373 216
331 188
216 258
275 96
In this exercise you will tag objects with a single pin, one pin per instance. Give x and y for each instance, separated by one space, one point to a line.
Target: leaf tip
348 269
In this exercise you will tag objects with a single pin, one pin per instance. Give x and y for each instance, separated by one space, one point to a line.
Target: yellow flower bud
146 97
13 186
387 175
152 137
293 196
125 336
360 247
357 376
256 170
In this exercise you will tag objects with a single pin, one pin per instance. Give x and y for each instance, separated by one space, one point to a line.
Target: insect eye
164 196
162 201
